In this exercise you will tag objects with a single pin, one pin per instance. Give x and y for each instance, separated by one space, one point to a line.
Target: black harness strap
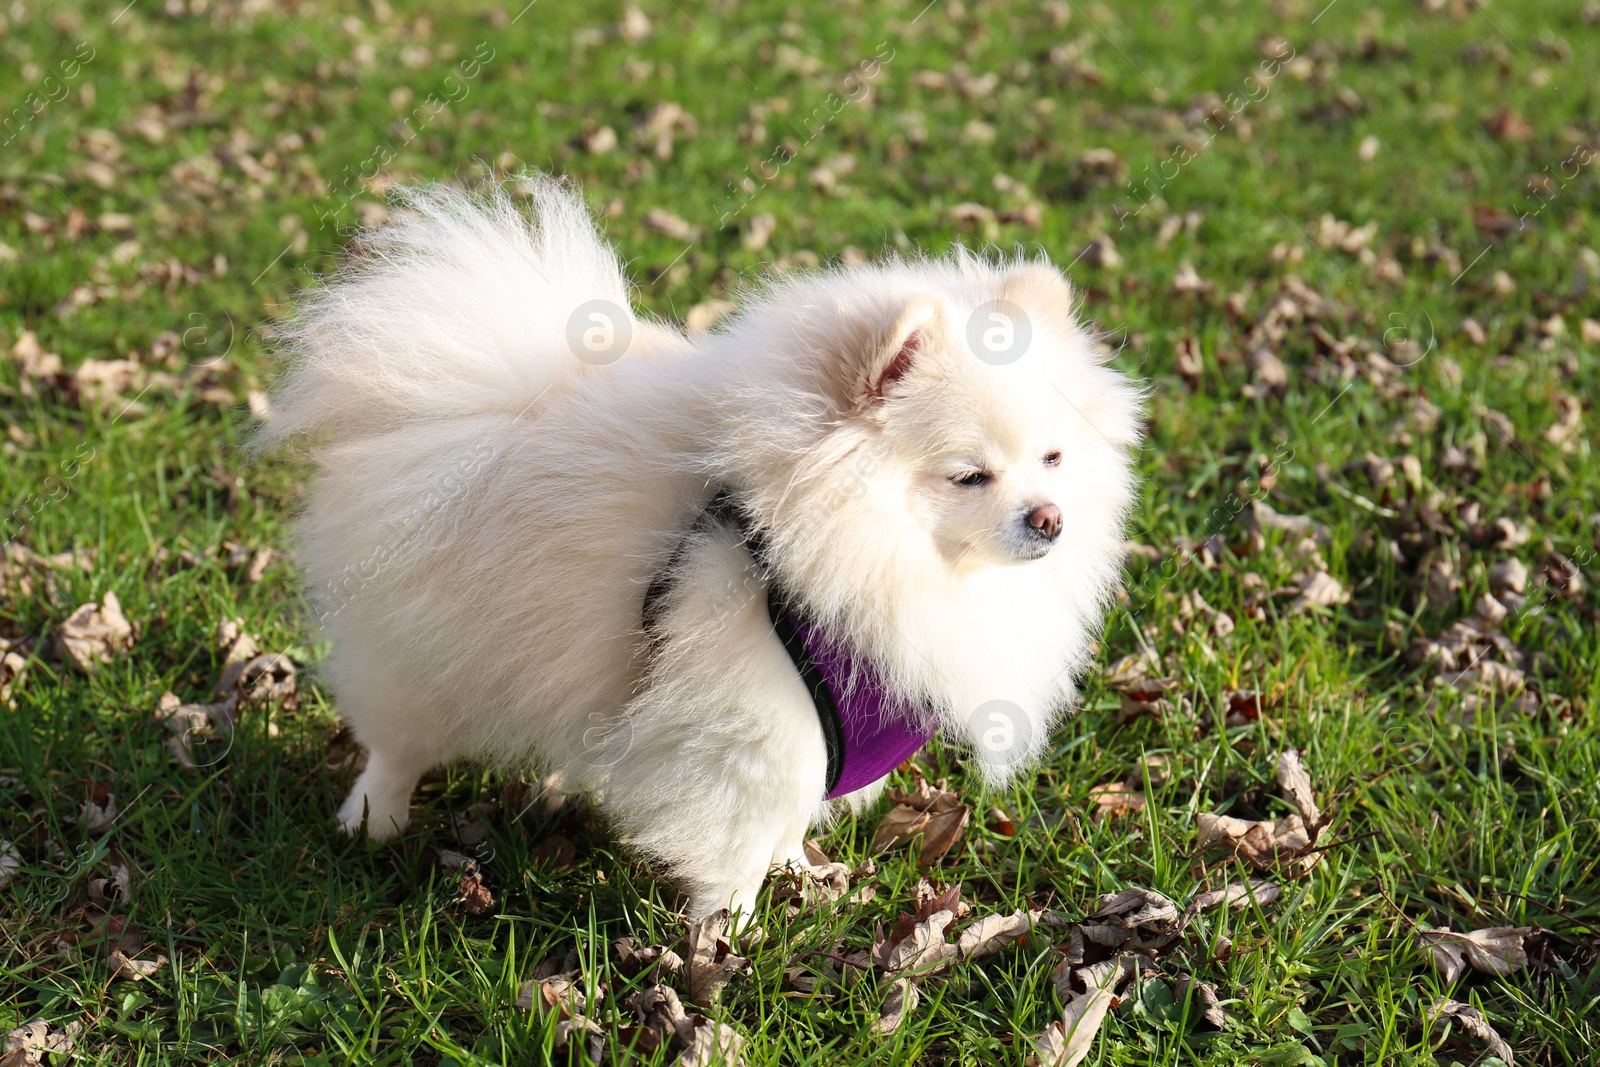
724 510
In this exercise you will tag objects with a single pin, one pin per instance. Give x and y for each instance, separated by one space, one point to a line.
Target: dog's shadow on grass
549 858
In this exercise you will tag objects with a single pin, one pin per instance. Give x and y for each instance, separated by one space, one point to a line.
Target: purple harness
869 730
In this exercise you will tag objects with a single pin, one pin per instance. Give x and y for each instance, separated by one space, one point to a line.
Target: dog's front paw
381 823
381 797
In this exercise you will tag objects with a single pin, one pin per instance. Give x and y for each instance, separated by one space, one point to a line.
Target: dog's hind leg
381 798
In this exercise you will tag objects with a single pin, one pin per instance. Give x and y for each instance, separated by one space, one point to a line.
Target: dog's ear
911 335
1039 288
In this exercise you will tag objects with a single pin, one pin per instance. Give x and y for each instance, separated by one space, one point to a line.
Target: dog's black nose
1045 521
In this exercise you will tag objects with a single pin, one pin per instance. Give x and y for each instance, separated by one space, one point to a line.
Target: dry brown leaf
1067 1043
663 1021
93 634
1471 1020
993 932
1507 125
582 1029
811 885
1191 363
113 887
1105 937
664 222
1137 909
10 862
710 962
1241 706
711 1043
99 810
250 676
1258 891
758 231
933 811
124 944
1115 799
558 993
194 727
706 314
1131 672
900 1001
1296 786
1205 999
474 895
472 826
1147 701
30 1043
1262 842
924 950
1496 950
634 960
134 969
1319 589
1563 433
12 660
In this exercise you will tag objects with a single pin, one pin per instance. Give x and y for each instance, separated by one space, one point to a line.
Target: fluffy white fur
489 510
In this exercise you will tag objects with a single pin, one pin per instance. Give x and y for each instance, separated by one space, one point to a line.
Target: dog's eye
1052 459
971 478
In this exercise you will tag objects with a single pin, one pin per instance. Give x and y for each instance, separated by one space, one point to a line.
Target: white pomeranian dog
719 581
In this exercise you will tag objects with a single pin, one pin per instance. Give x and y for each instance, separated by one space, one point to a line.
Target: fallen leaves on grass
12 664
659 1019
1496 950
1268 843
30 1043
1296 786
663 1020
1136 919
112 884
10 862
475 897
1564 432
710 962
1234 894
817 883
197 729
122 943
1319 589
94 634
1471 1021
99 809
1067 1042
1205 999
934 811
634 959
554 989
1134 678
1240 707
251 675
202 732
918 946
1115 799
1303 536
1507 125
664 222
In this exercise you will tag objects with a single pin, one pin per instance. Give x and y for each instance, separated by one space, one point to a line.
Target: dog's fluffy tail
464 304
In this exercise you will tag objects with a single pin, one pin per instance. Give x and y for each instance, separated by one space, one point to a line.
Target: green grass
233 132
